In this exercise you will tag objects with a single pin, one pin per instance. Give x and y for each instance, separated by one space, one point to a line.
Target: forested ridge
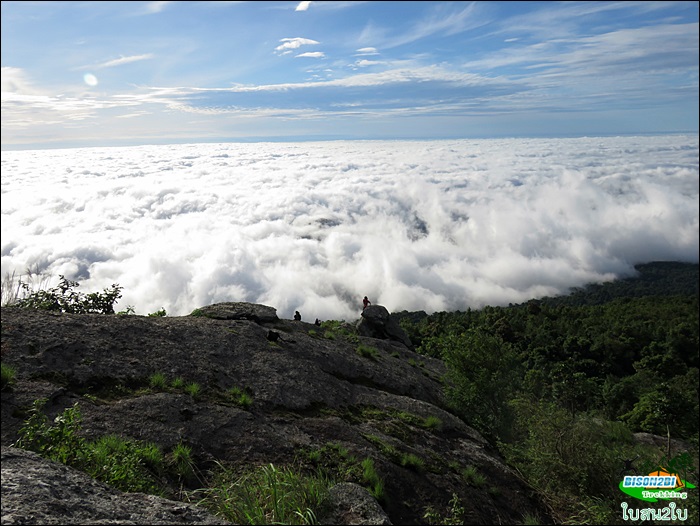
560 385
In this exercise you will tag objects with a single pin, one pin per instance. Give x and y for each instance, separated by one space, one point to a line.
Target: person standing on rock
365 302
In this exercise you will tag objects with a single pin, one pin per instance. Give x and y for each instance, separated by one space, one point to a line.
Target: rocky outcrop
38 491
313 394
376 322
239 311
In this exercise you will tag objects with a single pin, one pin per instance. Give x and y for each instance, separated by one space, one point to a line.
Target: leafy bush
64 299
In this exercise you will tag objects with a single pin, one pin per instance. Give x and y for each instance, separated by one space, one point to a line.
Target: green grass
266 495
240 397
8 376
373 480
193 389
367 351
472 477
158 381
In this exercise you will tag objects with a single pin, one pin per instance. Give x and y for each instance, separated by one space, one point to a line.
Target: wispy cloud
443 20
289 44
366 51
156 7
312 54
123 60
303 6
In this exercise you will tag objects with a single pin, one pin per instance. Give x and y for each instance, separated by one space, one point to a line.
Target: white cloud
312 54
367 51
288 44
156 7
124 60
435 225
303 6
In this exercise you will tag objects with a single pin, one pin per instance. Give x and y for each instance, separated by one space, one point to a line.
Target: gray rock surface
352 504
39 491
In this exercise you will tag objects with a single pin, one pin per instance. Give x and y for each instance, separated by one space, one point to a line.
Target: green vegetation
159 313
454 516
339 330
266 495
63 298
559 385
373 480
472 477
8 374
240 397
193 389
158 381
124 464
367 351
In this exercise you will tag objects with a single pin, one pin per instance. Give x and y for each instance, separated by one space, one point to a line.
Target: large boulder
376 322
238 311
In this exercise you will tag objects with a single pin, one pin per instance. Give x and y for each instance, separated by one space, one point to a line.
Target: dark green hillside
567 387
659 278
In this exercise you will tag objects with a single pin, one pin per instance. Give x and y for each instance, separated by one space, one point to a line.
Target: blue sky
125 73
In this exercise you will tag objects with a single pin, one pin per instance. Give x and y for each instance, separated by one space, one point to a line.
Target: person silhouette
297 316
365 302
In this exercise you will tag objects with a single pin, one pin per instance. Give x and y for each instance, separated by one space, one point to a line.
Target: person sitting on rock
317 322
297 316
365 302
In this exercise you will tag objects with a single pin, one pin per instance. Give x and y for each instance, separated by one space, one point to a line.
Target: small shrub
159 313
178 383
8 376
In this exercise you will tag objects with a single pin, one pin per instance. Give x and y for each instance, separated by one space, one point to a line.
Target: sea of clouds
315 226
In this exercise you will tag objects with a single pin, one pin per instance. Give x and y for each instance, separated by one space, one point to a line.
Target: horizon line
320 138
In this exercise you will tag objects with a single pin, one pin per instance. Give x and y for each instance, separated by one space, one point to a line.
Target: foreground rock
313 396
38 491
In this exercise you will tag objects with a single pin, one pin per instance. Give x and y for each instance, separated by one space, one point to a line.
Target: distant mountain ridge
658 278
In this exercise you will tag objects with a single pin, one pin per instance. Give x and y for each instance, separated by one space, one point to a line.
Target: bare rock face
352 504
312 395
39 491
376 322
